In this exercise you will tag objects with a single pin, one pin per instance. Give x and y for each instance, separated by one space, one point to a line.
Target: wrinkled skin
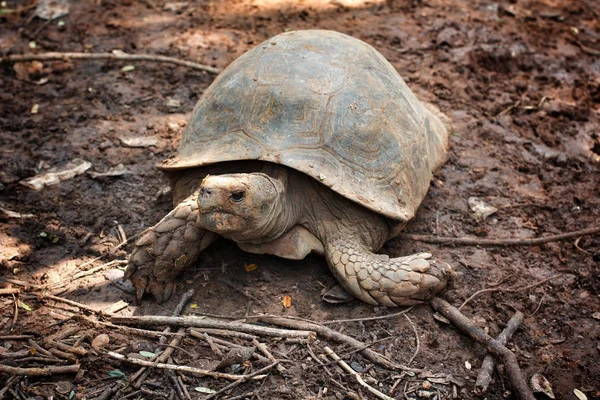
282 212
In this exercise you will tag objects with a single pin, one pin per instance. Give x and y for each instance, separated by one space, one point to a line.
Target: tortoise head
240 206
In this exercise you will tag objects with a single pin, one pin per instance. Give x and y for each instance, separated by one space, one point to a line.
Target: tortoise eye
238 196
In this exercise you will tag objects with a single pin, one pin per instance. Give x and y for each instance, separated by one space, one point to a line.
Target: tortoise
309 142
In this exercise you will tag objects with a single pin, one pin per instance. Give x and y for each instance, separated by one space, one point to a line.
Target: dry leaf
287 301
539 384
250 267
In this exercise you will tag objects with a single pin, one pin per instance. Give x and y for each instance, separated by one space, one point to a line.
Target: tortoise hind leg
378 279
166 249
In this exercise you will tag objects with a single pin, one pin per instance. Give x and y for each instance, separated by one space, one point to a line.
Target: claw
130 270
140 287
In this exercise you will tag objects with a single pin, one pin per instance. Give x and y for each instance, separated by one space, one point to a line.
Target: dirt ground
520 80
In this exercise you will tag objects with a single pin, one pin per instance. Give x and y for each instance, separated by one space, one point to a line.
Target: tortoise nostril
205 192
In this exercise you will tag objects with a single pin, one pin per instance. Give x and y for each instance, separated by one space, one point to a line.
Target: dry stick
108 56
213 346
352 372
45 371
223 332
10 291
505 290
78 351
16 337
414 328
329 333
516 378
39 348
161 358
181 368
243 379
339 321
465 241
211 323
15 314
185 391
263 349
487 366
7 386
140 376
92 271
124 329
72 303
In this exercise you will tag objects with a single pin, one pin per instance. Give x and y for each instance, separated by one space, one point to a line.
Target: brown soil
520 80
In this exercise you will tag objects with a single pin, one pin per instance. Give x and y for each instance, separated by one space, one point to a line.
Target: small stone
100 341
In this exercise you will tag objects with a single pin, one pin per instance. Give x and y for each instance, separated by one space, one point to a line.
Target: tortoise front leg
378 279
166 249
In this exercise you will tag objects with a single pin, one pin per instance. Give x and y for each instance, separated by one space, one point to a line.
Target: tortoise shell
327 105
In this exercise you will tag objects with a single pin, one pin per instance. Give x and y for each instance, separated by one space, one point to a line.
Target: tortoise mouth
220 221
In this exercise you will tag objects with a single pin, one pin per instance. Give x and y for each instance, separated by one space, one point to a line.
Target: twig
516 378
15 314
506 290
92 271
243 379
414 328
65 347
263 349
7 386
16 337
124 329
352 372
45 371
339 321
538 306
39 348
181 368
160 358
487 366
178 388
223 332
121 56
212 323
329 333
109 392
71 303
9 291
185 391
465 241
213 346
140 376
